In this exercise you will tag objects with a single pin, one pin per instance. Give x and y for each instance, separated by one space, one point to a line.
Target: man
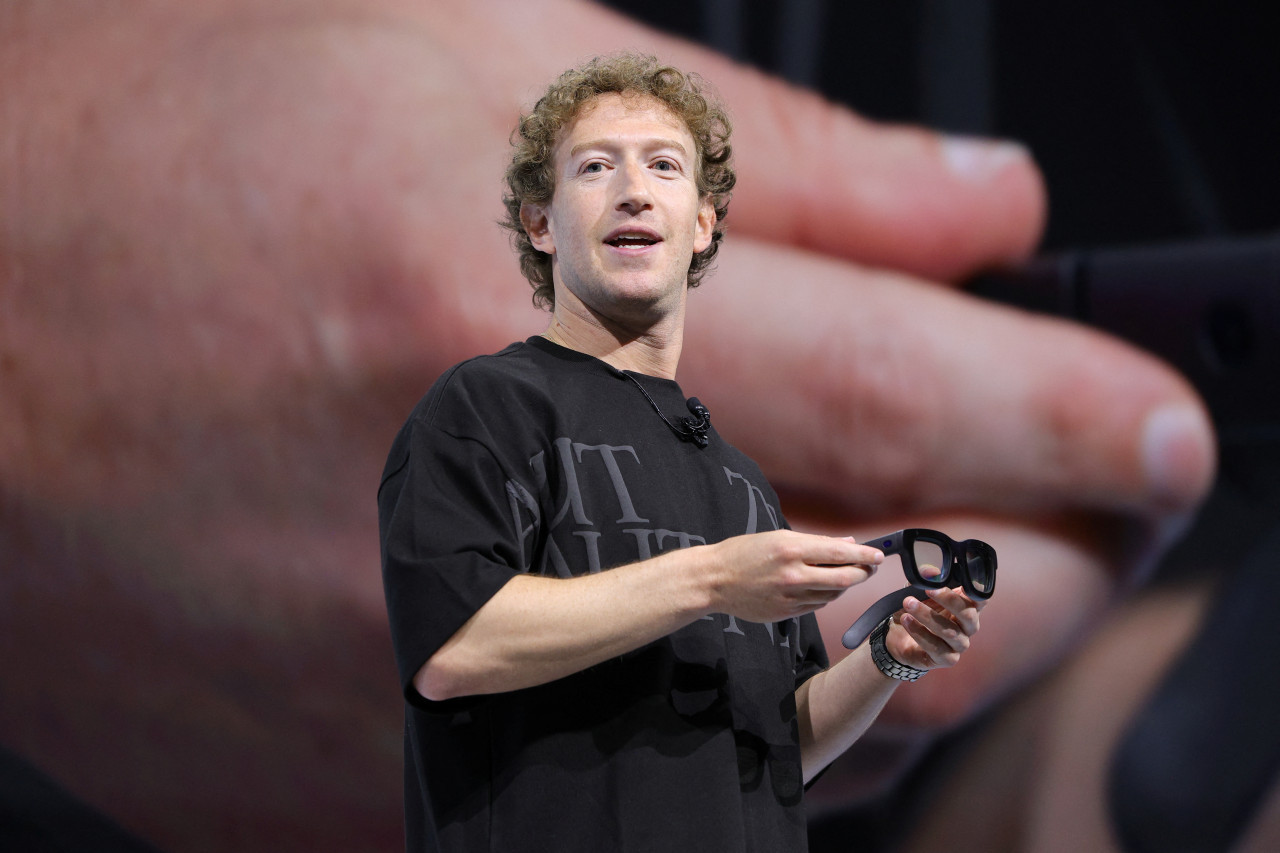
604 630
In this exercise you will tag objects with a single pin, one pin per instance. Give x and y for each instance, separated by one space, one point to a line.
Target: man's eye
664 165
593 167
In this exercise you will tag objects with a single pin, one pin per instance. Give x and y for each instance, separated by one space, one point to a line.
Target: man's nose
633 191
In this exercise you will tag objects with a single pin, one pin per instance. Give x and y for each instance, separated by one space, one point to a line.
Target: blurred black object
39 816
1194 767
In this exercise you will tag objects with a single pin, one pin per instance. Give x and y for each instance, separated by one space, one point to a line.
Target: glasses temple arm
876 613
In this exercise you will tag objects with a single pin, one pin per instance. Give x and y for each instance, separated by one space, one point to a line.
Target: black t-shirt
541 459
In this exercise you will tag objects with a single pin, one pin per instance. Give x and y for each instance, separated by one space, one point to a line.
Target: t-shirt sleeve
448 542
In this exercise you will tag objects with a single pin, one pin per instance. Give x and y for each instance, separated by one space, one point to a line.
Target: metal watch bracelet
885 662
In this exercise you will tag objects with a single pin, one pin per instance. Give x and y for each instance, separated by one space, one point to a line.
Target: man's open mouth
625 240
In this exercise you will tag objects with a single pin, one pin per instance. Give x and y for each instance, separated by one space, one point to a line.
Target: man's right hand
769 577
517 639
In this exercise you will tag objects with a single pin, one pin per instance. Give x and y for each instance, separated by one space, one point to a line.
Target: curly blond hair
530 177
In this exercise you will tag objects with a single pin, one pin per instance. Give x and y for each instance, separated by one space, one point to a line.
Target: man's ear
534 219
705 225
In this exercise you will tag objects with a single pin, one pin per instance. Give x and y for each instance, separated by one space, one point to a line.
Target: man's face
626 217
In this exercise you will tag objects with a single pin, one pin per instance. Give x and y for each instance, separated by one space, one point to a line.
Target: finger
929 399
939 626
833 579
928 570
819 177
828 551
955 603
814 598
935 648
940 639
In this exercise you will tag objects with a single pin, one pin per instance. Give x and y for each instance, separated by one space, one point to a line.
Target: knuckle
870 400
789 551
772 549
789 577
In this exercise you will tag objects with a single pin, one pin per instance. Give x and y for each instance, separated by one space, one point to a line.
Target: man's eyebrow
608 141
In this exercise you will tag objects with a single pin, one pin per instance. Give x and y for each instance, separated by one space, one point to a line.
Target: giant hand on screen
239 239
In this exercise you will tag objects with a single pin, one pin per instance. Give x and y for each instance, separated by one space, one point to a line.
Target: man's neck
655 351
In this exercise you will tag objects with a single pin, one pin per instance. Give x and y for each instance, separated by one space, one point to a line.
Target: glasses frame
955 555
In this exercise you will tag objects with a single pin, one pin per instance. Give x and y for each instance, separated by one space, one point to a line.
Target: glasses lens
981 563
931 562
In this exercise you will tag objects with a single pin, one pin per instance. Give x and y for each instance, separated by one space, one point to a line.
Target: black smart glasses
930 560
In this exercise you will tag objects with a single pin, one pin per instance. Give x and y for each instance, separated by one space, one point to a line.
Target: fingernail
1178 455
979 160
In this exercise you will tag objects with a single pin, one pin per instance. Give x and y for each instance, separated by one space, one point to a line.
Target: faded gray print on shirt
610 514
